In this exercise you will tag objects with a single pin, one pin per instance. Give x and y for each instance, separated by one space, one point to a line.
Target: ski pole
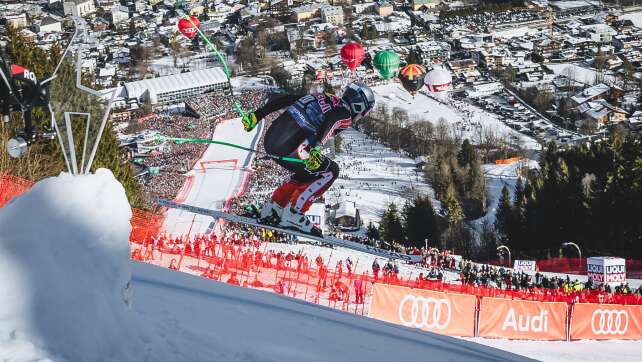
220 58
222 143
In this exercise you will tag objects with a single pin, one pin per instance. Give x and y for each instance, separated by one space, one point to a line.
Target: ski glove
314 161
249 121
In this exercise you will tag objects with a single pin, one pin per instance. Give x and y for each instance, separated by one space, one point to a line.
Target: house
599 33
50 25
383 8
599 113
16 21
635 121
305 12
362 7
346 216
332 15
119 15
484 89
465 69
598 91
79 7
279 7
424 4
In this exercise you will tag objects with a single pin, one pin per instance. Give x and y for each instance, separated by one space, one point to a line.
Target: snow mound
65 272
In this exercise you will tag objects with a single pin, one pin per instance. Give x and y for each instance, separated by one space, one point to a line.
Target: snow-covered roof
346 209
176 82
590 93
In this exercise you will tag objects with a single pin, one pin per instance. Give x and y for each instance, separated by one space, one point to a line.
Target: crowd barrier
467 316
435 306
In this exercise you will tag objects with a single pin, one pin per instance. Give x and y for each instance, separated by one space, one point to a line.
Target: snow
635 17
215 177
580 351
578 73
514 32
64 273
498 176
218 322
464 120
67 294
373 176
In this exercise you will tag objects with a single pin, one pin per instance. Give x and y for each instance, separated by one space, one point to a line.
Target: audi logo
425 312
609 322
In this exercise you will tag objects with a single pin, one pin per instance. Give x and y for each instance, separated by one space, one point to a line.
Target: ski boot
251 210
270 213
292 219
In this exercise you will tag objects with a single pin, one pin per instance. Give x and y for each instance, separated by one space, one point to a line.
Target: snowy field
214 178
373 176
578 73
464 120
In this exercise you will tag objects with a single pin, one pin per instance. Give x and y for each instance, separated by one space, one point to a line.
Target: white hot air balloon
438 82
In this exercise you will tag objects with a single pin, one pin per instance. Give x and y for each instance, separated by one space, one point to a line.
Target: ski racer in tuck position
309 120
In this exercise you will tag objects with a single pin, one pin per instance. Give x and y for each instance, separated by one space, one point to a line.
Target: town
563 70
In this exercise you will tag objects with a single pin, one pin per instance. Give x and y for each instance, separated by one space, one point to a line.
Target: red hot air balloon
186 28
352 55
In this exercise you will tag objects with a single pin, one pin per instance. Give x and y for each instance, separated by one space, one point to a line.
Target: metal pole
579 252
100 131
508 251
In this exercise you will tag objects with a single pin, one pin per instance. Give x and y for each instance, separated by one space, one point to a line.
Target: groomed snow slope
215 177
66 295
227 323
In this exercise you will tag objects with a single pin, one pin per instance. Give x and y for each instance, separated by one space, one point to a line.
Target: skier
310 120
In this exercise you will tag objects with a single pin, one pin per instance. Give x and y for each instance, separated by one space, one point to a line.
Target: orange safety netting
11 186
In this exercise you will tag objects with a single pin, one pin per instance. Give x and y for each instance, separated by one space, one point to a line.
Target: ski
322 239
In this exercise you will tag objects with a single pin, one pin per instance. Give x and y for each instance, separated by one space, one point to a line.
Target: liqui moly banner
605 269
606 321
525 265
521 319
443 313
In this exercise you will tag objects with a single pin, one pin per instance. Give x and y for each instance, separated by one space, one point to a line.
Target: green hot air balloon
387 63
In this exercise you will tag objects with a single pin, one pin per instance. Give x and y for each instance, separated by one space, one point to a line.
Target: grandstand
173 88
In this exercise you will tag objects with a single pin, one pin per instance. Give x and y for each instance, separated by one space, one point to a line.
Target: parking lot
518 117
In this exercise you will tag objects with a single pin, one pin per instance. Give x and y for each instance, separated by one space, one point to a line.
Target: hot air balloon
439 82
412 78
352 55
186 28
387 63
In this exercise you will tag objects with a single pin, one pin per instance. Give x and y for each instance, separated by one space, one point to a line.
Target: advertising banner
606 321
606 269
525 265
521 319
443 313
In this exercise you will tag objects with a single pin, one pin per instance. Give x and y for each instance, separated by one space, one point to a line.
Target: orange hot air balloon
412 77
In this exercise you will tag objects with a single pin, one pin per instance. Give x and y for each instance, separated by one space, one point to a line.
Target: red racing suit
308 121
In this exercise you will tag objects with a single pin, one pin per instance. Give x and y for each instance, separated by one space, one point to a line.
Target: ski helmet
359 98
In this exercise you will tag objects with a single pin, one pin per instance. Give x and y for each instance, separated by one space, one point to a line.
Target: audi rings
425 312
609 321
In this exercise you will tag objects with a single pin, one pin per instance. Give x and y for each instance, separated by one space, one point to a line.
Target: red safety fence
11 186
533 313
